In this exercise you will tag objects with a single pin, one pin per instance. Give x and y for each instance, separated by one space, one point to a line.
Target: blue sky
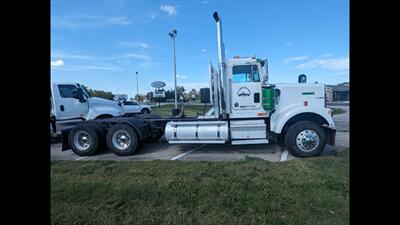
103 43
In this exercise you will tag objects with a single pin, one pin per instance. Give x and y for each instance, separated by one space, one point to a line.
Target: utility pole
173 36
137 86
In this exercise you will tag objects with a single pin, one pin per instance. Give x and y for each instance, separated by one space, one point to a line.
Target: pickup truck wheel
305 139
122 140
145 111
83 140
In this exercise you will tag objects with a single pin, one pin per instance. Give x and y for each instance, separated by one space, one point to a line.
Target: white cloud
327 63
57 63
153 15
169 9
98 67
137 56
137 44
75 22
326 55
181 76
71 56
203 50
297 58
149 63
89 67
118 21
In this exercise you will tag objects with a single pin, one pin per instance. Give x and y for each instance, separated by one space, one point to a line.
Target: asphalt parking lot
161 150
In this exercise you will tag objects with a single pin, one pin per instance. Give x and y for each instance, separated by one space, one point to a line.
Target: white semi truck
246 109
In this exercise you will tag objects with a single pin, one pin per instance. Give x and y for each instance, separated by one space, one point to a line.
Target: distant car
131 107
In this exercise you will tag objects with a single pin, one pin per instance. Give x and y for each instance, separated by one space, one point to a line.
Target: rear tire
122 140
84 139
145 111
305 139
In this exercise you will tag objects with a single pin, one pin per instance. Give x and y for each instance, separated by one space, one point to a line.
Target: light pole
173 36
137 86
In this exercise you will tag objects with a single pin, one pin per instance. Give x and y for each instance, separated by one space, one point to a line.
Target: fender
279 118
143 129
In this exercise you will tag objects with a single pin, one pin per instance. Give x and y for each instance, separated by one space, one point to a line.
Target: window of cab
245 74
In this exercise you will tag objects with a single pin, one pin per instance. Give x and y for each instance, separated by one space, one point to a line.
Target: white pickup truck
131 107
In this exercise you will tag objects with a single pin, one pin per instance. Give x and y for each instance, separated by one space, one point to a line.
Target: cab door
66 102
246 88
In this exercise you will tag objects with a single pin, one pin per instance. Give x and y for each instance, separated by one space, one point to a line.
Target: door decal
243 91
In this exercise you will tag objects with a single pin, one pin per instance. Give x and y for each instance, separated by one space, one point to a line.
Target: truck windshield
245 74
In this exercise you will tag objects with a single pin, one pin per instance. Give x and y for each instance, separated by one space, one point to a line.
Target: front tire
122 140
305 139
145 111
84 139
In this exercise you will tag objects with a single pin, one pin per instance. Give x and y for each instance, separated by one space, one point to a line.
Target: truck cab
245 79
71 104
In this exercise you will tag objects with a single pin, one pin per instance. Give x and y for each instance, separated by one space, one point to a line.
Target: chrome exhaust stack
225 104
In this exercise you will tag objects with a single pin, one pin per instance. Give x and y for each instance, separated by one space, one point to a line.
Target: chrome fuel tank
196 132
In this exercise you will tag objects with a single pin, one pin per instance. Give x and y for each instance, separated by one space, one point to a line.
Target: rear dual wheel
122 140
84 139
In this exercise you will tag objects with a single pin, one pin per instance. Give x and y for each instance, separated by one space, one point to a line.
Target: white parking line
284 155
80 158
185 153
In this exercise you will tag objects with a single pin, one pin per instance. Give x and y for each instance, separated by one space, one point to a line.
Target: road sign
158 84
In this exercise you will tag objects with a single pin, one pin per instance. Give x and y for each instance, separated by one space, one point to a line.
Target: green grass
253 191
190 110
336 111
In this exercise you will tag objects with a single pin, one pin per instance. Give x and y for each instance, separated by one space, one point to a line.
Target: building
193 94
338 93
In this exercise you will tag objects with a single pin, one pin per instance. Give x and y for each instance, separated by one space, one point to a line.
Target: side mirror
80 96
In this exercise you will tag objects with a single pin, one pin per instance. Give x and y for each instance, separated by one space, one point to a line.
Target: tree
98 93
180 90
170 94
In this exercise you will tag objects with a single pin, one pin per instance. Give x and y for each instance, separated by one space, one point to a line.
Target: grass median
190 110
253 191
337 111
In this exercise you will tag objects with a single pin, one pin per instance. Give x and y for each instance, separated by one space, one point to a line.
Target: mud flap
65 143
330 134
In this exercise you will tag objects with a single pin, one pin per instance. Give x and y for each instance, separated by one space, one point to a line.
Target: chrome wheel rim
82 140
307 140
121 140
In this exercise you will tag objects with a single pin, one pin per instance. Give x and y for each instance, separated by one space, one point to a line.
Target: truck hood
103 101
